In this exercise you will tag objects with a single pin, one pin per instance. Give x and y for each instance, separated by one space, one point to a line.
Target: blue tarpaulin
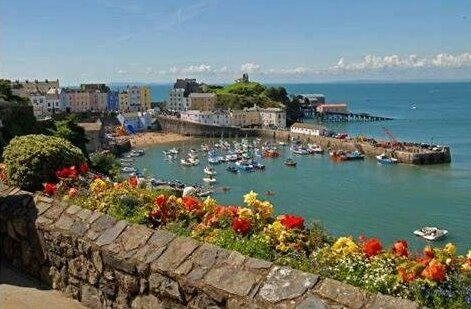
130 129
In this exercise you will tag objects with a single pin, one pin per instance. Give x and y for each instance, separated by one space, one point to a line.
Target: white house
273 117
38 101
177 100
216 118
135 121
308 129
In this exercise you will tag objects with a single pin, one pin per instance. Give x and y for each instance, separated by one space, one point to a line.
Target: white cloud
121 71
372 62
250 67
197 69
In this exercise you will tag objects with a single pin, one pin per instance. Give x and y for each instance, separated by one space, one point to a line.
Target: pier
341 117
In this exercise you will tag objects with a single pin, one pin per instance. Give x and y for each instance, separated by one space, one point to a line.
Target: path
19 292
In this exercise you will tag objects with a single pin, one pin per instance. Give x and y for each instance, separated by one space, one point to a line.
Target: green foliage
7 95
278 94
33 159
128 207
105 163
318 236
71 131
295 260
245 89
255 246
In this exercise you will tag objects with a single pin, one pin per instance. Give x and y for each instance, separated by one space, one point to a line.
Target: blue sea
365 198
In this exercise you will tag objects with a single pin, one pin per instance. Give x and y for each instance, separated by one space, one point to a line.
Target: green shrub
33 159
106 163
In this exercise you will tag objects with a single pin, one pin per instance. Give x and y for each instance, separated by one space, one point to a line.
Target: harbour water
363 197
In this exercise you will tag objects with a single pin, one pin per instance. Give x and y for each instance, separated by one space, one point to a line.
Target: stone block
84 214
111 234
54 212
42 207
115 261
284 283
161 238
312 302
256 264
204 301
381 301
64 223
135 236
205 257
90 297
342 293
177 252
73 209
235 259
232 280
100 222
78 228
164 286
147 302
128 284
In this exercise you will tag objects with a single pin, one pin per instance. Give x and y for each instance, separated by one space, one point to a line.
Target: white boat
385 159
185 162
193 161
173 151
314 148
209 179
128 169
208 170
431 233
214 160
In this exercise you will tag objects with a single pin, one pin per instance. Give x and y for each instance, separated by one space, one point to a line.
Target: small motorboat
290 162
431 233
209 179
299 150
214 160
355 155
185 162
174 151
126 160
128 169
282 144
136 153
208 170
244 166
257 165
193 161
314 148
204 193
269 193
232 169
385 159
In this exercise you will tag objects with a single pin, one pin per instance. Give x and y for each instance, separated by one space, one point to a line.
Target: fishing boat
257 165
385 159
128 169
270 153
232 169
209 179
208 170
431 233
290 162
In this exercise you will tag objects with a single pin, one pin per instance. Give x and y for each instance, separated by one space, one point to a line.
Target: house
38 101
24 88
273 117
312 99
215 118
202 101
308 129
95 133
246 118
135 121
177 100
112 103
54 101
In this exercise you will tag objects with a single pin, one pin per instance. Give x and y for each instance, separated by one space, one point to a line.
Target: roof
308 126
272 109
202 95
91 126
311 95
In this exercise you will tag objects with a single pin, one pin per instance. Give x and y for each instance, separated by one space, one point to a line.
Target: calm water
365 197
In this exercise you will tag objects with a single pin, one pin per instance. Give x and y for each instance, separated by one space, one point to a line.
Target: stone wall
105 263
195 129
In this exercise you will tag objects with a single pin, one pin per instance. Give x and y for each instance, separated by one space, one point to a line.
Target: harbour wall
411 156
104 263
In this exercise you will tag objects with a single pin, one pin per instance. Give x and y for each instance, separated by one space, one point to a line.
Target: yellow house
202 101
123 101
249 117
144 93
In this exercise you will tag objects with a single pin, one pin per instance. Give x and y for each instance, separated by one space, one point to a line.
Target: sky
216 40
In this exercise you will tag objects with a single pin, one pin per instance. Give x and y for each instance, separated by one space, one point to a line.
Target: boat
282 144
136 153
299 150
270 153
205 147
314 148
385 159
185 162
173 151
232 169
128 169
257 165
193 161
355 155
244 166
208 170
126 160
290 162
209 179
204 193
213 160
340 155
431 233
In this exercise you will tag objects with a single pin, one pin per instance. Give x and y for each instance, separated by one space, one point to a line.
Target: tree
105 163
293 111
71 131
278 94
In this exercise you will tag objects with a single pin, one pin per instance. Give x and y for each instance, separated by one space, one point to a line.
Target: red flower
73 192
67 172
434 271
241 225
292 222
230 211
160 200
400 248
191 203
362 238
372 247
49 188
428 252
133 181
83 168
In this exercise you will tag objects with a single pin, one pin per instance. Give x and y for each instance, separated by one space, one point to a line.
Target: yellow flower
466 266
450 248
250 198
209 204
98 185
282 247
344 246
245 212
264 208
469 254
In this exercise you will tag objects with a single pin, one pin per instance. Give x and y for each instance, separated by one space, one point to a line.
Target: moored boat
208 170
128 169
290 162
232 169
209 179
385 159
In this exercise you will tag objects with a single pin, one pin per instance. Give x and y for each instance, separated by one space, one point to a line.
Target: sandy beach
155 138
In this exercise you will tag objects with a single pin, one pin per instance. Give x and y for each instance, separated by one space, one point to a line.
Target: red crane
395 144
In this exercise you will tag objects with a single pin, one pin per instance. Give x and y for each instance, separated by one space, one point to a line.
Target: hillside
241 95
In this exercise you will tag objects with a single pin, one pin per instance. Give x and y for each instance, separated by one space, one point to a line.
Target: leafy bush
105 163
33 159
